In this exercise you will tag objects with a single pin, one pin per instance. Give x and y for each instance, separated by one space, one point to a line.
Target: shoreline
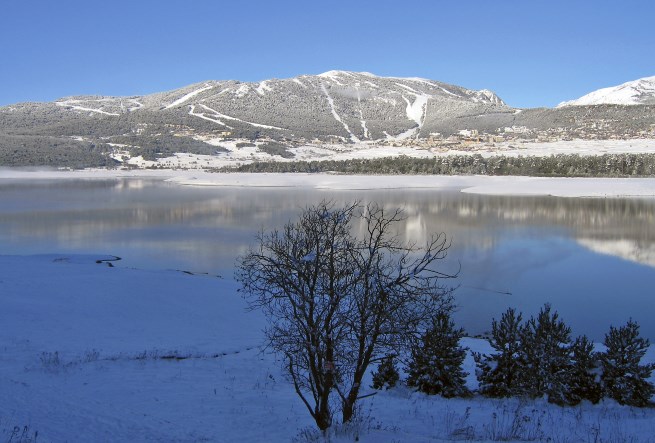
571 187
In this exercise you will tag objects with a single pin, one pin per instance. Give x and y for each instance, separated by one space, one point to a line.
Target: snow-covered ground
91 352
236 156
505 185
561 187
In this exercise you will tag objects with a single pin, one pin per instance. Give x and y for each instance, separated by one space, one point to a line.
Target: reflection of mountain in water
621 227
626 249
159 215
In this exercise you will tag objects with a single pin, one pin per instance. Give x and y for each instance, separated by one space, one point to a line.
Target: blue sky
530 52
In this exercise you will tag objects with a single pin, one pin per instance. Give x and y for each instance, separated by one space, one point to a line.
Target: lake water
592 259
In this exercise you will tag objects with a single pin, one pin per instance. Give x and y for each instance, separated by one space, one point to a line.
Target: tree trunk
348 405
323 416
348 411
323 419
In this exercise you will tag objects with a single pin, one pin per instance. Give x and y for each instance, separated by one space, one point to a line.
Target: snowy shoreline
489 185
99 353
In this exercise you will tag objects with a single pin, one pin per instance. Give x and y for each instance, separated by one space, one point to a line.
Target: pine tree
545 357
436 365
386 374
624 379
582 373
498 373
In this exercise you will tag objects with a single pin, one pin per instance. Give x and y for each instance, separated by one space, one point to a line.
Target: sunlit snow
629 93
98 353
188 96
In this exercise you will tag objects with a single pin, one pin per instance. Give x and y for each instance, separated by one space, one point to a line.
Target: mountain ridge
333 92
335 107
634 92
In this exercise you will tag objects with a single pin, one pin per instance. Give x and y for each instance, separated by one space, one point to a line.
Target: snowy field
236 154
98 353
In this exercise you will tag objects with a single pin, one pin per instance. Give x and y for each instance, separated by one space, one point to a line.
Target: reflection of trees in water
474 218
577 213
473 221
620 227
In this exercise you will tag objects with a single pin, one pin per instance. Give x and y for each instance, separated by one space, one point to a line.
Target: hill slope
337 107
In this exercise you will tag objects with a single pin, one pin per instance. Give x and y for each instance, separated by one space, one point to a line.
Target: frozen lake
593 259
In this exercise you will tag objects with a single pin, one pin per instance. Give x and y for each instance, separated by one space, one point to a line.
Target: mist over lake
593 259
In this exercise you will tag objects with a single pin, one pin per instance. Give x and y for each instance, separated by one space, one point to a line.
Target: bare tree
337 301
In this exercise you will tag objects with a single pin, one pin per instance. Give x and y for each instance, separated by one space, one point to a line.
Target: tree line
53 151
535 358
559 165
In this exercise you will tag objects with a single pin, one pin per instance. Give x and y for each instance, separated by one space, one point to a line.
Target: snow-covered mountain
636 92
342 105
336 107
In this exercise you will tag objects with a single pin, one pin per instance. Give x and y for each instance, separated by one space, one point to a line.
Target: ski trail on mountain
202 115
263 87
70 103
227 117
295 80
353 137
416 111
188 96
361 115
